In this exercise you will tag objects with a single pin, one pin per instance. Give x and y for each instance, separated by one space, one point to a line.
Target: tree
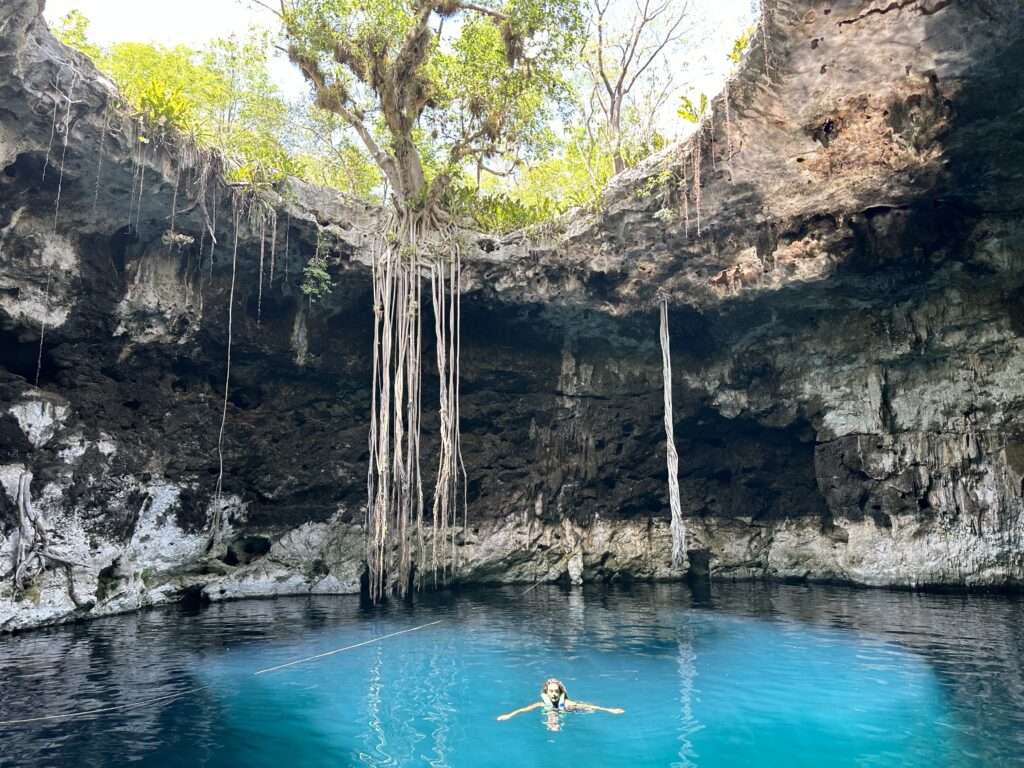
432 88
620 64
427 101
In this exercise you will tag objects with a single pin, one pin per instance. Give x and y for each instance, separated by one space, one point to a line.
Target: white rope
179 694
528 589
346 648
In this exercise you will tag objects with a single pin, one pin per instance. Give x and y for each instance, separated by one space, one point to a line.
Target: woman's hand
616 711
504 717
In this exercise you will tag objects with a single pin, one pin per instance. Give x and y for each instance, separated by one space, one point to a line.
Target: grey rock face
847 332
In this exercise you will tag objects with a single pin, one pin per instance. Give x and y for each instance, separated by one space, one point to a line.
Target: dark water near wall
738 675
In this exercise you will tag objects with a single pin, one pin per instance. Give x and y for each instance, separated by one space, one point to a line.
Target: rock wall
847 326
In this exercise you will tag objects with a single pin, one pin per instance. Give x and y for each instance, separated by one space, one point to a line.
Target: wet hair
562 693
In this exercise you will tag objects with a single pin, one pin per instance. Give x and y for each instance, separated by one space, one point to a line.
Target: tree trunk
615 134
410 169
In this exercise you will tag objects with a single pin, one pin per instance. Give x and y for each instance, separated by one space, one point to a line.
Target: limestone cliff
847 288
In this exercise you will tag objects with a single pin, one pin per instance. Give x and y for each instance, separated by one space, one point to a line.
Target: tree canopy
434 86
489 110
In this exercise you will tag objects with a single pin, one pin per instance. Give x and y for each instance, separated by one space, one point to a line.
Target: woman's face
552 691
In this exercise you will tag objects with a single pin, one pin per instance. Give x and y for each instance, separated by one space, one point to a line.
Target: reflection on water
737 674
687 675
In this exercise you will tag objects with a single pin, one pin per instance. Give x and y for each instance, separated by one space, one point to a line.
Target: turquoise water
742 675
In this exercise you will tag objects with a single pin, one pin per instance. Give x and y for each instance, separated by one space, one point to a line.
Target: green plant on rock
693 112
164 108
739 47
316 279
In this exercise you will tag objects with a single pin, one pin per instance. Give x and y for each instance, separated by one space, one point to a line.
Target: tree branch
311 70
670 36
269 8
600 45
484 10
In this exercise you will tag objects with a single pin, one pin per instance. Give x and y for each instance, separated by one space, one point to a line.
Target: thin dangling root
287 252
672 458
259 299
728 129
217 513
142 186
686 201
273 244
697 161
174 211
99 169
56 213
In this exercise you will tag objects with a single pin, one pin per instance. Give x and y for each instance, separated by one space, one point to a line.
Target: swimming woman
553 696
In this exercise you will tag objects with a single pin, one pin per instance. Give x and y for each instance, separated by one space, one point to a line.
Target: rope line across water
179 694
346 648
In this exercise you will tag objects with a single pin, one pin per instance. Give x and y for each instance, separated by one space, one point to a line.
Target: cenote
726 675
507 340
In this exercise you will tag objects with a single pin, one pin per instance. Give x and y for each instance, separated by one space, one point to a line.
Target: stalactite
218 504
672 458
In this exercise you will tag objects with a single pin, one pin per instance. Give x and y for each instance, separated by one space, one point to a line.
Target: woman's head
553 689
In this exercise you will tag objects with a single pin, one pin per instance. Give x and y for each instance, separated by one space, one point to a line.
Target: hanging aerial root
56 212
445 281
263 249
697 162
672 458
218 512
397 547
31 552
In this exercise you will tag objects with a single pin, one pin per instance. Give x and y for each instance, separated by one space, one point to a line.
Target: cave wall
846 332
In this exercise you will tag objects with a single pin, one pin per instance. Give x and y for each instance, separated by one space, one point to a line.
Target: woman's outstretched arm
521 710
592 707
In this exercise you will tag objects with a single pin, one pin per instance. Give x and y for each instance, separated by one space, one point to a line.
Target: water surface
735 675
